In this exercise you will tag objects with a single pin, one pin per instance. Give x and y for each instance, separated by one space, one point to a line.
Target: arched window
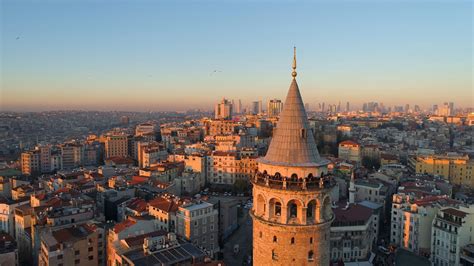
277 175
311 209
310 176
293 210
275 239
292 240
294 176
278 209
311 240
310 255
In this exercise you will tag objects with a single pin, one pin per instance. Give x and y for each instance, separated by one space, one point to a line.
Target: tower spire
293 74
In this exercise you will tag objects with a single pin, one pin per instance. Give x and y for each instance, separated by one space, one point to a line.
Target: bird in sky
215 71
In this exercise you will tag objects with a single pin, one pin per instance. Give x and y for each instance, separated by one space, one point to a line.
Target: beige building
223 110
220 127
350 151
458 169
30 162
74 245
116 144
164 210
150 153
144 128
292 211
228 167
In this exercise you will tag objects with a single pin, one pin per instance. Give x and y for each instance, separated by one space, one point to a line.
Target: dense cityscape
195 133
388 185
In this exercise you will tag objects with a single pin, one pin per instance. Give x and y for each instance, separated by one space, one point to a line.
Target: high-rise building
238 107
292 207
257 107
347 107
223 110
274 107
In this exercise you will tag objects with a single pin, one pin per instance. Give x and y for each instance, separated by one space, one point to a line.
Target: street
243 237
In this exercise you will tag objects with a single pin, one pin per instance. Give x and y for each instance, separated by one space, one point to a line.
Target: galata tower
292 211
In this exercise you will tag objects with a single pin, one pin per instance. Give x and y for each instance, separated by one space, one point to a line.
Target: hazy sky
161 55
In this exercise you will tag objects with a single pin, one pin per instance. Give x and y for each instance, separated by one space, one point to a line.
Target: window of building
77 252
275 239
278 209
91 257
293 210
311 240
274 255
310 255
292 240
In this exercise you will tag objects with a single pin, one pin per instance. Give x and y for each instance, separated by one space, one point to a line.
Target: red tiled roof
455 212
120 160
138 205
167 205
123 225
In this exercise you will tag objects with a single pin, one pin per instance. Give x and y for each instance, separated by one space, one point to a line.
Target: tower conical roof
293 142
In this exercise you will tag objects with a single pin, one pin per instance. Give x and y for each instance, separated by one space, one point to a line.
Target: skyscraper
223 110
292 208
257 107
274 107
238 107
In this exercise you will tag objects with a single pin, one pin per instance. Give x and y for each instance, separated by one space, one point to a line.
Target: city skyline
139 57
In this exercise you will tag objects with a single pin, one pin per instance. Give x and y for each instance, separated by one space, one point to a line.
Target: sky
176 55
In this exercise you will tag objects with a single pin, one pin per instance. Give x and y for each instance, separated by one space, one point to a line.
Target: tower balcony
293 183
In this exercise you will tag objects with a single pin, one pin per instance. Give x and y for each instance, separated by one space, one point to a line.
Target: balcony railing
306 183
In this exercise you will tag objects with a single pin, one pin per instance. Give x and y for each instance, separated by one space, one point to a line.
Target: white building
411 221
198 222
453 228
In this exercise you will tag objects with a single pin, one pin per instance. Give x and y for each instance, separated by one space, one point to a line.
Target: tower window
274 255
275 239
292 240
303 133
293 210
311 240
310 256
278 209
260 234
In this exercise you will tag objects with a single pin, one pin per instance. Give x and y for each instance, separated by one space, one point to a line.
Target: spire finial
293 74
